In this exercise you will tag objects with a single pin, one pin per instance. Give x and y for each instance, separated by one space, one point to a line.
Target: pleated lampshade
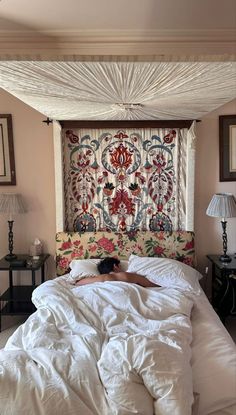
11 203
222 205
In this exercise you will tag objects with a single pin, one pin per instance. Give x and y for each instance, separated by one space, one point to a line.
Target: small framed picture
227 135
7 159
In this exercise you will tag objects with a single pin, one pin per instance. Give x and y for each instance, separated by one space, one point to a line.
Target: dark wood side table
17 298
223 286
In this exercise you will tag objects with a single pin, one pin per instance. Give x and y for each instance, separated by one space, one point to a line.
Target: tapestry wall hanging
125 180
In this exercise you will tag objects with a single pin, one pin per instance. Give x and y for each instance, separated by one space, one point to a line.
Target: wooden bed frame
71 245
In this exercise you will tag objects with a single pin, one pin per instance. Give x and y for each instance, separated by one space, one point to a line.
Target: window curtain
128 179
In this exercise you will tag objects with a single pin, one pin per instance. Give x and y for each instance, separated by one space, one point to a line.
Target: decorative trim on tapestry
125 180
59 179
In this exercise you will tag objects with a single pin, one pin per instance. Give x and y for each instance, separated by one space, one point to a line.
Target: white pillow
124 265
166 272
81 268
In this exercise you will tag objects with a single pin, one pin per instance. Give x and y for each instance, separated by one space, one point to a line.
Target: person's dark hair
106 265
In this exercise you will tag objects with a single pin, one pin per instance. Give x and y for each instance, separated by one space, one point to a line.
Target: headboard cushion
70 245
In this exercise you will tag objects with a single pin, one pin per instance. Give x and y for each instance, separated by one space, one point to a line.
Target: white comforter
107 348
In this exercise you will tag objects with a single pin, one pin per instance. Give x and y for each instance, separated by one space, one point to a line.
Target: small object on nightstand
36 248
29 262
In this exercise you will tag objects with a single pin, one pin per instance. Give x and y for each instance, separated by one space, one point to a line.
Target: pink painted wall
208 229
33 145
33 142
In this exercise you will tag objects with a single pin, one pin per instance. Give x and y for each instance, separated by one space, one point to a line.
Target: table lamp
11 204
223 205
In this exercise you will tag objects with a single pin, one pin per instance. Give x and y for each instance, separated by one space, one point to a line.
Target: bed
116 348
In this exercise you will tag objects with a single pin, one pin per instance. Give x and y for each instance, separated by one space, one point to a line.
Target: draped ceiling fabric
128 179
126 90
120 90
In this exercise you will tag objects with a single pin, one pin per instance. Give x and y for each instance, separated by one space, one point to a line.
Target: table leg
42 273
10 279
33 277
212 282
11 289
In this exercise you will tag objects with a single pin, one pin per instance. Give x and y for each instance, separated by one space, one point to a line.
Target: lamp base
225 258
10 257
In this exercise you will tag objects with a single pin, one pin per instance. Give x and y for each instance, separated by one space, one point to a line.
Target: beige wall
208 229
33 145
33 142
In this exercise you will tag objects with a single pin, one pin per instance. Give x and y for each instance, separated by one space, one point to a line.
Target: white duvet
107 348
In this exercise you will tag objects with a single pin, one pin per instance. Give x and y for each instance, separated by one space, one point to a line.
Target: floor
8 328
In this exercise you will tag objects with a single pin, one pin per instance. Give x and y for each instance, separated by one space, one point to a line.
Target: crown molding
126 35
162 44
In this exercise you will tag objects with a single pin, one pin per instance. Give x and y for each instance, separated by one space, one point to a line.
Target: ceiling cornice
101 35
159 45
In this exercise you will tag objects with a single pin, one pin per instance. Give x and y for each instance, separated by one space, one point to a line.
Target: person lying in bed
110 270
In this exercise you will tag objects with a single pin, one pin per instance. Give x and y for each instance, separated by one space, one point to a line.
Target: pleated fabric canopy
98 90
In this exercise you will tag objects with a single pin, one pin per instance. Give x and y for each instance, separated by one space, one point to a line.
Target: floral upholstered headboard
70 245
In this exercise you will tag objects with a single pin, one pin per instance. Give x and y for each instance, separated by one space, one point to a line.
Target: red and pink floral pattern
176 245
123 180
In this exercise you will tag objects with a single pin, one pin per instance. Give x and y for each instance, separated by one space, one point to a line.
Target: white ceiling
152 32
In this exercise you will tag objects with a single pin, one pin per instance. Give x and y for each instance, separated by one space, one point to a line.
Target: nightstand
223 286
17 298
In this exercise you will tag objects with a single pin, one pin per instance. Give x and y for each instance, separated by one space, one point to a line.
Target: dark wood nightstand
17 298
223 286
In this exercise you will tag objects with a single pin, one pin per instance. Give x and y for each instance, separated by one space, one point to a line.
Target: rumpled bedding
108 348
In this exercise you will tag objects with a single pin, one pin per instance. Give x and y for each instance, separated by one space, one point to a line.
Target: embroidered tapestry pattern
124 180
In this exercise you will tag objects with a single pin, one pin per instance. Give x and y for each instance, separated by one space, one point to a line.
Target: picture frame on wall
227 147
7 158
